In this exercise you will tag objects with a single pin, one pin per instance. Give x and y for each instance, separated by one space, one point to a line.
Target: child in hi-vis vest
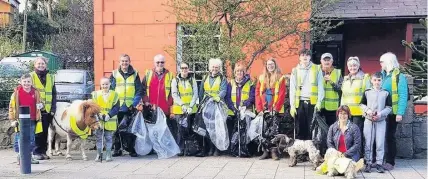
108 100
25 96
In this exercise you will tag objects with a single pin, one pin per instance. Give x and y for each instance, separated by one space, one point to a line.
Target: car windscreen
69 77
12 70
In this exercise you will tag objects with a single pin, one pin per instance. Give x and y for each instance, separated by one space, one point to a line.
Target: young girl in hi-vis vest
108 100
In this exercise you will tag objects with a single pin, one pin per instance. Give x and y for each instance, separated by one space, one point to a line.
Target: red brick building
143 28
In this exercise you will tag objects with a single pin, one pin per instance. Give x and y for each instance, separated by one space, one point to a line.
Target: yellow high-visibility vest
81 133
113 97
45 91
125 88
352 93
245 94
331 99
276 92
213 90
314 84
168 78
394 90
186 95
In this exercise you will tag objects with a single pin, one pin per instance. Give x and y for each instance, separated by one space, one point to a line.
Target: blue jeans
32 138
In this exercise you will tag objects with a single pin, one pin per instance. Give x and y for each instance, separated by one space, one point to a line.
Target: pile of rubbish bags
156 136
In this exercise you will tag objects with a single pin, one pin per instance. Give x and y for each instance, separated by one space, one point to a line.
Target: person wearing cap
332 88
306 94
353 87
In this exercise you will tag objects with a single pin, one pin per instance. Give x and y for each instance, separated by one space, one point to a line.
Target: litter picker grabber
102 145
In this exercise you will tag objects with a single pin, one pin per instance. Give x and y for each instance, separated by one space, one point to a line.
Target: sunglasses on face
160 62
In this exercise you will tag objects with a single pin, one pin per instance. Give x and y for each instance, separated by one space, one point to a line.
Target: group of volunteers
355 105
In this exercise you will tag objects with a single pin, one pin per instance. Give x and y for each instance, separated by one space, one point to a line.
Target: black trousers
182 133
304 116
230 123
391 141
124 139
41 139
359 121
330 116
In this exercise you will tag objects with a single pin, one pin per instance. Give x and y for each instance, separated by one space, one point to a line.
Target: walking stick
239 133
102 145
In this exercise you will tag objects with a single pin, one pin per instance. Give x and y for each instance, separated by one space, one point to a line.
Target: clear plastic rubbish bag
256 127
215 116
239 139
143 145
163 142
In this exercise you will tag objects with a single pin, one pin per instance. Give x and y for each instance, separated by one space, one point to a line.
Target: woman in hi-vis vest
215 85
395 82
270 97
44 82
353 87
239 97
184 90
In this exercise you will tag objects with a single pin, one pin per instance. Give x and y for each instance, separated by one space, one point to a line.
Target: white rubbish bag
256 127
215 116
163 142
143 145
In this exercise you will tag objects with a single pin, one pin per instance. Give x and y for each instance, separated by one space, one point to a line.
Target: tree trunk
48 4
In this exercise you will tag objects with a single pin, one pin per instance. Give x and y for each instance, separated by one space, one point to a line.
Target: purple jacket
249 103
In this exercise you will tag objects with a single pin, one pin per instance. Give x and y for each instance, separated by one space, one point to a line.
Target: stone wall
412 132
7 135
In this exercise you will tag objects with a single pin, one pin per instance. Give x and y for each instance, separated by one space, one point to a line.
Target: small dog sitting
335 163
298 147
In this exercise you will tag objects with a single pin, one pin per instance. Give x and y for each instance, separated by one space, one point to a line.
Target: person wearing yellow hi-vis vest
126 82
108 100
156 90
184 91
240 96
332 89
353 87
395 83
44 82
306 94
26 95
270 98
215 85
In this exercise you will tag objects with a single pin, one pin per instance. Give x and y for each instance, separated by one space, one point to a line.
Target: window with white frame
196 52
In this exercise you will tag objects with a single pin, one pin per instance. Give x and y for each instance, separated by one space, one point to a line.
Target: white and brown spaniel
72 121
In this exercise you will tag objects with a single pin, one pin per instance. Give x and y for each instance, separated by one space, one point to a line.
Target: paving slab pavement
223 167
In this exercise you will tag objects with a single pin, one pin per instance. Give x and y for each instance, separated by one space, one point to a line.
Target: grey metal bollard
24 140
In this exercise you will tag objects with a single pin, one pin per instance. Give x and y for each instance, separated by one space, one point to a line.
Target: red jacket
261 99
157 94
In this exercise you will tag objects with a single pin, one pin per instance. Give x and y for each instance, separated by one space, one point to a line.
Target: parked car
73 84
